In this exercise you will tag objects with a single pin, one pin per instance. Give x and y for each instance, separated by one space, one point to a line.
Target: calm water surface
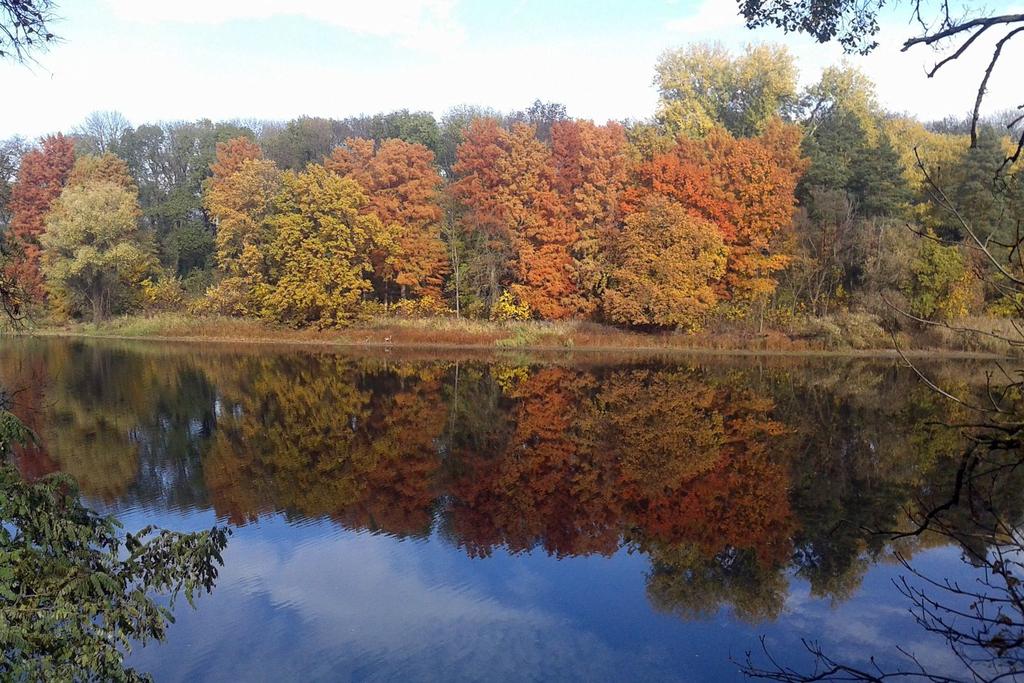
523 519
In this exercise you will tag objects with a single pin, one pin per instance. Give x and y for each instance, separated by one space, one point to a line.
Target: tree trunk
455 265
97 307
492 281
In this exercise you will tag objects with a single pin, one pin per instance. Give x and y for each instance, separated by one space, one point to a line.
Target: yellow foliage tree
667 265
704 86
318 263
848 88
937 150
94 253
102 168
241 204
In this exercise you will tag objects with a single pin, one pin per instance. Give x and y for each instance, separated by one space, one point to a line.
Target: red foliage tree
41 177
27 380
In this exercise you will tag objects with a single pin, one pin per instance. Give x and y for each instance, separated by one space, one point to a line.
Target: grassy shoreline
471 335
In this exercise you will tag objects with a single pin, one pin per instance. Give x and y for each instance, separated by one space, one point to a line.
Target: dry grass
850 335
380 332
980 334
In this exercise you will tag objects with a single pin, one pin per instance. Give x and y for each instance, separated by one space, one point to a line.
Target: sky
278 59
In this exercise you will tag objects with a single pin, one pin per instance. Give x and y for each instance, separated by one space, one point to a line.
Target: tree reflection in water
725 476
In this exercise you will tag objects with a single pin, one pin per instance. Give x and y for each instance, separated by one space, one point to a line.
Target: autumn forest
744 200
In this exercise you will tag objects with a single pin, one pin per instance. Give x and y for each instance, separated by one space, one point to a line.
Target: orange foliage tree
547 486
407 416
665 459
239 197
745 186
41 177
695 462
232 154
591 171
402 183
506 181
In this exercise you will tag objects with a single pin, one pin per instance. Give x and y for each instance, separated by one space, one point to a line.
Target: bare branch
983 88
980 22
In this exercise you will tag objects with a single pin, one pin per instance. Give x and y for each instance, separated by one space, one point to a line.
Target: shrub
166 293
859 330
521 338
227 297
427 307
507 308
863 330
822 330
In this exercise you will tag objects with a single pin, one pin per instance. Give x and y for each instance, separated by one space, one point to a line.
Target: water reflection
725 480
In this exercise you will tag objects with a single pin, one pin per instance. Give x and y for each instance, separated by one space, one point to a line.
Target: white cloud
593 77
863 627
337 603
415 23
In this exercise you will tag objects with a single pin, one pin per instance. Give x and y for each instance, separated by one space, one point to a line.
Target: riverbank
448 333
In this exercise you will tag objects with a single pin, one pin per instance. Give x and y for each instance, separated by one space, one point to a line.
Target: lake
399 516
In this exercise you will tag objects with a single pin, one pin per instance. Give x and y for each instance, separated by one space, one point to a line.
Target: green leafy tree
939 285
992 204
848 146
76 593
416 127
11 151
169 162
877 181
299 142
93 247
844 88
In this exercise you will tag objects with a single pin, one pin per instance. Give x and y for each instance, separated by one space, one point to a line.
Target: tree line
743 198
